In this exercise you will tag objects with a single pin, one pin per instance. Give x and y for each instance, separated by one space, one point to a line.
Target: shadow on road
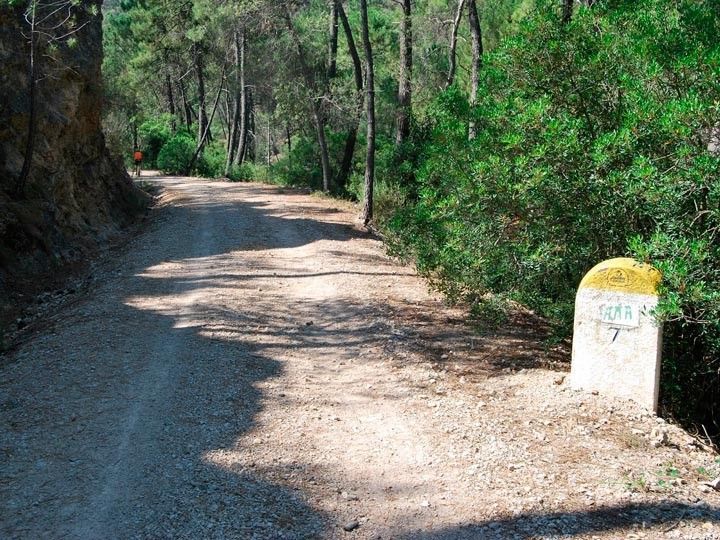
626 518
253 225
129 422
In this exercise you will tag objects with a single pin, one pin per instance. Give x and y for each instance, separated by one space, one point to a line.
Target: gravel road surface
253 366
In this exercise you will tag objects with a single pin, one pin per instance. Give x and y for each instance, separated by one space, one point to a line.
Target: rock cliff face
76 196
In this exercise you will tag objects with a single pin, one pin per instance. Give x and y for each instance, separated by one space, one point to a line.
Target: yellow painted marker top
623 275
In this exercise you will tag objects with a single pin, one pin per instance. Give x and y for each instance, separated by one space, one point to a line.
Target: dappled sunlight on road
258 368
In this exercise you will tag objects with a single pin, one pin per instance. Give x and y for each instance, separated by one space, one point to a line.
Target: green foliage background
592 143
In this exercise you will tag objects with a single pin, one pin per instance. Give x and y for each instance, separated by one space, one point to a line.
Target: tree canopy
512 144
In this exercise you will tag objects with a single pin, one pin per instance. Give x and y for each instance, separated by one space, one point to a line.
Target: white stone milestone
616 341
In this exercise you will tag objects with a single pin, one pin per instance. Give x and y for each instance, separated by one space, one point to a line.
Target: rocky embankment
76 197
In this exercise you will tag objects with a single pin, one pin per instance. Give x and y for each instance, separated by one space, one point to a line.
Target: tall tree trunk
32 108
206 133
237 125
225 117
370 106
346 165
333 44
269 141
322 142
316 101
567 11
187 109
227 126
477 52
243 135
170 99
289 140
250 130
203 131
452 56
404 112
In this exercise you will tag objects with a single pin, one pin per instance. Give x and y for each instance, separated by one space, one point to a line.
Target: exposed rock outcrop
76 196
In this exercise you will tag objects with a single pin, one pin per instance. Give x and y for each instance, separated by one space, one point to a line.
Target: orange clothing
138 155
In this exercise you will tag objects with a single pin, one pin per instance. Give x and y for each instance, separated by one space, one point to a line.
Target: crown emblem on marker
618 277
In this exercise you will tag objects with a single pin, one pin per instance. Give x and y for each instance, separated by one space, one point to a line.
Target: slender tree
269 138
367 214
242 136
351 140
170 99
31 18
333 41
250 131
48 24
236 140
203 124
187 108
404 111
452 55
477 52
316 99
205 134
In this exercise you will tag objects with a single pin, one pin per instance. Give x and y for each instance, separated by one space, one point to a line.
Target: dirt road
254 366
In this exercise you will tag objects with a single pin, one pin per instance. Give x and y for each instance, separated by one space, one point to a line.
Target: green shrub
566 171
154 134
176 154
240 173
211 163
388 196
302 167
248 172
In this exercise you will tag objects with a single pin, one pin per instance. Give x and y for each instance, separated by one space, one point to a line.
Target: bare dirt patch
256 367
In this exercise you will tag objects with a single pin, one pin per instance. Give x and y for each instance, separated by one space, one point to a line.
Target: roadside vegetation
506 146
